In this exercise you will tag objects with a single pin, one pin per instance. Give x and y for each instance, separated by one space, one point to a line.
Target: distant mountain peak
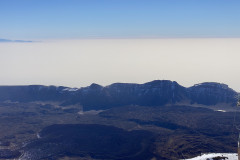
18 41
95 86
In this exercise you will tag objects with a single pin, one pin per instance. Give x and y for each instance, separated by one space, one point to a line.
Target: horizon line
3 40
108 84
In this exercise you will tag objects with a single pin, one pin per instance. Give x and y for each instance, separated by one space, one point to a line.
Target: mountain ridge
95 96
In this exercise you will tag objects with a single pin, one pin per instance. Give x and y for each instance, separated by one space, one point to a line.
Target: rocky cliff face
155 93
212 94
29 93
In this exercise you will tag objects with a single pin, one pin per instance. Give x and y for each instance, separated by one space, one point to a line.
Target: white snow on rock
221 110
70 89
38 136
210 156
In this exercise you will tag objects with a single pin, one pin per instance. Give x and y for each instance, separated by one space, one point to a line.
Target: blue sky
66 19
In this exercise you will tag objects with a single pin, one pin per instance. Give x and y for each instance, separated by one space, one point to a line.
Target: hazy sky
79 63
78 42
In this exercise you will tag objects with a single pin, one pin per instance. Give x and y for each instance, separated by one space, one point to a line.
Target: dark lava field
44 131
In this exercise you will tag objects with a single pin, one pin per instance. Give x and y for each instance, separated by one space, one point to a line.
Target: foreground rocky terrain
39 122
217 156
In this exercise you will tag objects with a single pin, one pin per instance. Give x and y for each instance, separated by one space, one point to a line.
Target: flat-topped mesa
160 82
211 93
212 84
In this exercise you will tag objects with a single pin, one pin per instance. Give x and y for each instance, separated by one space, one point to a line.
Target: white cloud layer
78 63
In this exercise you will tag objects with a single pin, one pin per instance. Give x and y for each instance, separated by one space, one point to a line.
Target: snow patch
38 136
221 110
70 89
210 156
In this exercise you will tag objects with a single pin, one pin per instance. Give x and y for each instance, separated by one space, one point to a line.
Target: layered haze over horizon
78 63
75 43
